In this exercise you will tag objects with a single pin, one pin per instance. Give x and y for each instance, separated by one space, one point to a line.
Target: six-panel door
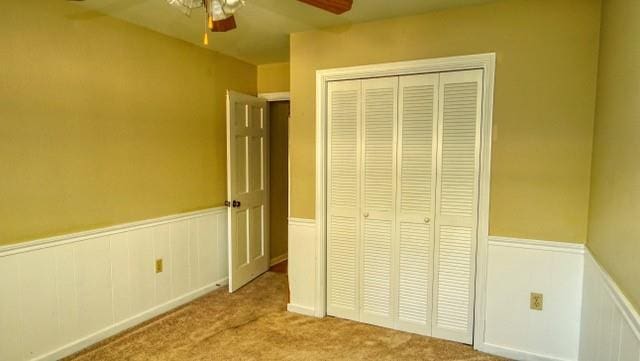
247 188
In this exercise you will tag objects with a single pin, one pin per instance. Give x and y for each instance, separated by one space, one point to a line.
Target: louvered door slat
379 109
456 208
343 199
418 104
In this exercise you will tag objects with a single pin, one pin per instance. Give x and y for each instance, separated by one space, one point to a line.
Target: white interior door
415 208
457 204
247 188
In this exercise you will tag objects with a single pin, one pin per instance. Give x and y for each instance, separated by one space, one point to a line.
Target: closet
402 201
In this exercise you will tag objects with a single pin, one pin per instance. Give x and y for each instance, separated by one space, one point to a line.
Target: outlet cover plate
536 301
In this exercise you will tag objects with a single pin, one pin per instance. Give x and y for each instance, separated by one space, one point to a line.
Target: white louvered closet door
417 149
343 195
402 191
379 121
457 204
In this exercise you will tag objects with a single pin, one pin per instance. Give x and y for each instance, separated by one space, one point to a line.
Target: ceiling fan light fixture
215 10
185 6
222 9
231 6
220 13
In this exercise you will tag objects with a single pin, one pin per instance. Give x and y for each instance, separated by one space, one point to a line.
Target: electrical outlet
159 265
536 301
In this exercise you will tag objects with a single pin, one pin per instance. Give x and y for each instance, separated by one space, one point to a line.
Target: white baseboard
307 311
610 324
64 293
517 267
114 329
279 259
514 354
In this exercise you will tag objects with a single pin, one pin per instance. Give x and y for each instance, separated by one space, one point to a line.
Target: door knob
365 214
427 220
236 204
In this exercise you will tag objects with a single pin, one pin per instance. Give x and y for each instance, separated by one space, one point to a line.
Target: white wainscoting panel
610 324
302 265
62 294
518 267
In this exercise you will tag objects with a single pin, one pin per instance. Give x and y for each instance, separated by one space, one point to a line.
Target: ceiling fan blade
224 24
335 6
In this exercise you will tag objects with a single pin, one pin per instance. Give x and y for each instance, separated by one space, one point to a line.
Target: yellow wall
103 122
614 221
278 177
273 78
544 101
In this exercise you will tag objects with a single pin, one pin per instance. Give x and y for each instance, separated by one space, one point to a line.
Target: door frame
279 97
485 62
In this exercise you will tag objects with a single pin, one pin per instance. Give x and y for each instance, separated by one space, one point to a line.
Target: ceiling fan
220 12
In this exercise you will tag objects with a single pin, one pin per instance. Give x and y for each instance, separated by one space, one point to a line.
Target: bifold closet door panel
379 121
457 204
343 195
418 107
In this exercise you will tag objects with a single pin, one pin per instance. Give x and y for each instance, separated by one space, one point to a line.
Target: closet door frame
485 62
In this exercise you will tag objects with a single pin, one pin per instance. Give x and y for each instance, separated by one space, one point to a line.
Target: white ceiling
264 26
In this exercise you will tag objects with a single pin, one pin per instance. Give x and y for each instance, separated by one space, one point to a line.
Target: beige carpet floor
253 324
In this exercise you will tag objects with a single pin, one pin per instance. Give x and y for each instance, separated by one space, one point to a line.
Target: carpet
253 324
